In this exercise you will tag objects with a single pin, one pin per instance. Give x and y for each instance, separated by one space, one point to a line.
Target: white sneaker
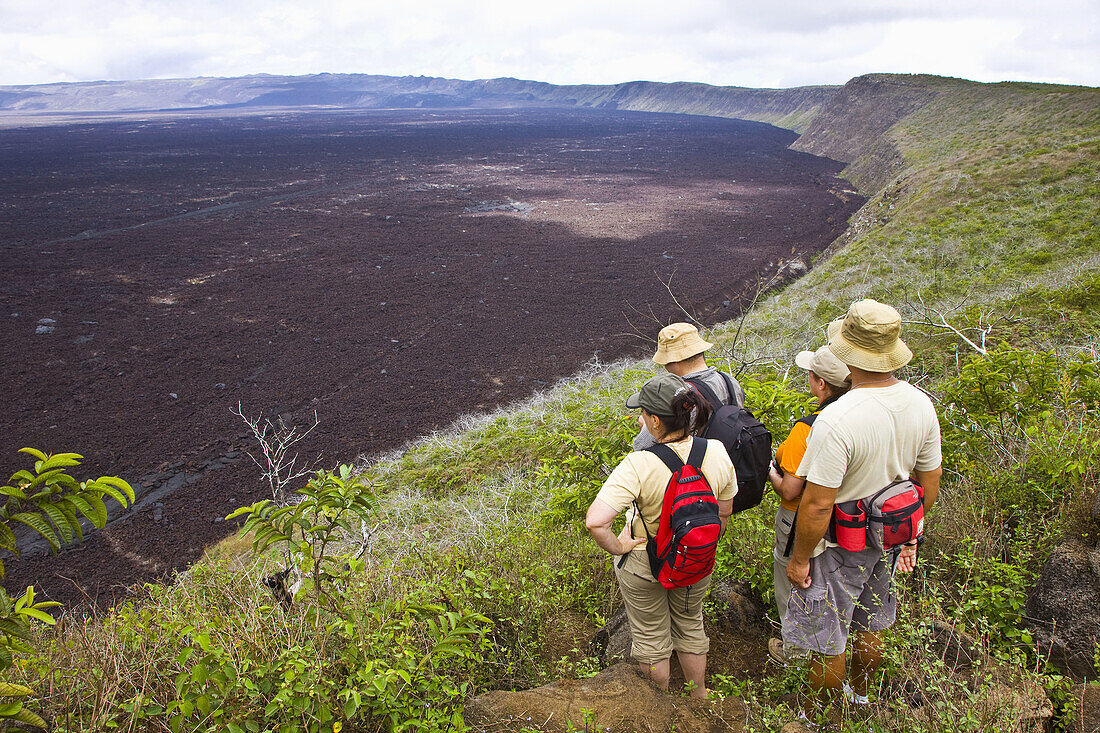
809 724
853 698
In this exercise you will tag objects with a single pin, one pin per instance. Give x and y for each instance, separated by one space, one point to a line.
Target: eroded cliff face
852 126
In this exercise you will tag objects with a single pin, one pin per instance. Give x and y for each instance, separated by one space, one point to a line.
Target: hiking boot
786 654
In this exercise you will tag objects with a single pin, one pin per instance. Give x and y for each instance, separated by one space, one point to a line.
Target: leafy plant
322 514
584 457
47 500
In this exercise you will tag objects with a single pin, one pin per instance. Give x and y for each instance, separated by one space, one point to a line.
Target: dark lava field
386 270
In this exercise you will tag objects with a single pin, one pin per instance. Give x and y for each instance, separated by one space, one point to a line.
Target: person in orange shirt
827 377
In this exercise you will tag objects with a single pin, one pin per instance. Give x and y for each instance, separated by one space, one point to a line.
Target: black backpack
747 441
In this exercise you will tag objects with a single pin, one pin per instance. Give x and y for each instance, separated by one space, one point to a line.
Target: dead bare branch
278 465
937 318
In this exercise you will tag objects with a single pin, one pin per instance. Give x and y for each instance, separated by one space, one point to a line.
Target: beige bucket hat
677 342
868 337
824 364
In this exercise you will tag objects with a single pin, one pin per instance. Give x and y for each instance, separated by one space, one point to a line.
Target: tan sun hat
677 342
824 364
868 337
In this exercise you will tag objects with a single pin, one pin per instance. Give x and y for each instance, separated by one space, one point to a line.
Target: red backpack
683 551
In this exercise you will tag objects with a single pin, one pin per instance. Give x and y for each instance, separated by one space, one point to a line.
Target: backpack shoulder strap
790 537
637 515
707 393
809 419
667 456
730 387
695 456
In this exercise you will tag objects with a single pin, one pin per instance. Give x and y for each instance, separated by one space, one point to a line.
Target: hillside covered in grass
461 565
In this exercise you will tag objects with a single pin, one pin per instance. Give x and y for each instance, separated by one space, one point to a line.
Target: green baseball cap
657 393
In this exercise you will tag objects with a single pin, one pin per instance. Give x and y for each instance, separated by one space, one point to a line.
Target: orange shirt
789 456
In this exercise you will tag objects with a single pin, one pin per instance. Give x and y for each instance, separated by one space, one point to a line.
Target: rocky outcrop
852 127
1084 716
1063 609
618 700
612 642
740 609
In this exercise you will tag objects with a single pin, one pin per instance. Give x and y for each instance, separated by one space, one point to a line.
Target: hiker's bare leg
695 672
866 658
826 677
658 672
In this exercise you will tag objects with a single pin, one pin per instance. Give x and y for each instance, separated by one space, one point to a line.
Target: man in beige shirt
682 351
883 430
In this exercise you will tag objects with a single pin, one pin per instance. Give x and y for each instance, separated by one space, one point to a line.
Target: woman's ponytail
683 405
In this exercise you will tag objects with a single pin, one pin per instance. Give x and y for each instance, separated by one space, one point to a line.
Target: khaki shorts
663 619
849 592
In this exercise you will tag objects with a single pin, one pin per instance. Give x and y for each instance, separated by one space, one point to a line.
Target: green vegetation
461 566
49 501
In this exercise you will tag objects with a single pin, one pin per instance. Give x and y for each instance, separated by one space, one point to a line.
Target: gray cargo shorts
849 592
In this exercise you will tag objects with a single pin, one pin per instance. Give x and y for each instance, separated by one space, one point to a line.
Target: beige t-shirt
643 477
870 438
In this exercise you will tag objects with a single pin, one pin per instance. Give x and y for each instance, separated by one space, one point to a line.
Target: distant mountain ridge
792 108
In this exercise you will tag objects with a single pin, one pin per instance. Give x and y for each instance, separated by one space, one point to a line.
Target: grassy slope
989 214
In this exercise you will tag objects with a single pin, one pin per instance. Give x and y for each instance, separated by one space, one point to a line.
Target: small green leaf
58 518
40 615
34 452
111 492
118 483
60 460
26 717
10 689
39 525
7 537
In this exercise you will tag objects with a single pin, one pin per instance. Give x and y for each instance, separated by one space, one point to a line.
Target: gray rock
177 481
957 649
740 609
612 642
1063 609
44 329
47 322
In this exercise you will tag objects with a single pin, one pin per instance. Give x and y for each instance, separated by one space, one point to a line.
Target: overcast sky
763 43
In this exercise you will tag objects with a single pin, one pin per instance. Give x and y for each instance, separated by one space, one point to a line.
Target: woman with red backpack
679 494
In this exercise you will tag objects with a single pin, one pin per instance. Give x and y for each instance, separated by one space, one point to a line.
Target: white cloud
572 41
